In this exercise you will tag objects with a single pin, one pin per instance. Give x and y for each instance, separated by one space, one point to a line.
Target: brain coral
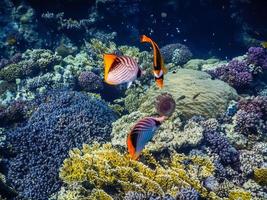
63 120
195 94
104 168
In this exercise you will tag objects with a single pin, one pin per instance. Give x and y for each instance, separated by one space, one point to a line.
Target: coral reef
177 53
251 117
62 121
260 175
220 145
15 112
194 92
236 73
105 168
90 82
257 56
33 62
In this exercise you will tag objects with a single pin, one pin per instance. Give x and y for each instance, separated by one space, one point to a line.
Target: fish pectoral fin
109 59
129 84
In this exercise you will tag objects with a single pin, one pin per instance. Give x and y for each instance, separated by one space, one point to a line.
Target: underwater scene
133 100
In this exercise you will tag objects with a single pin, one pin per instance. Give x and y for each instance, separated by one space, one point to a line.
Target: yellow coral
239 195
260 175
104 167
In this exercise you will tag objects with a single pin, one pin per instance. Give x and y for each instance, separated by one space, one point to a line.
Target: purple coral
236 73
63 120
15 112
257 56
89 81
221 146
251 116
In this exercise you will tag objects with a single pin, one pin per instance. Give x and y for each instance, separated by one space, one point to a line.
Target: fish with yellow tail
142 132
120 69
158 65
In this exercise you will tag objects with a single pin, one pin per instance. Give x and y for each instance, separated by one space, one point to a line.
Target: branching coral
105 168
236 73
62 121
251 117
32 63
260 175
239 195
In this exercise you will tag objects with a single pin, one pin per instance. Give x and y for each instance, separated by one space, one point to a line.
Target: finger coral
105 168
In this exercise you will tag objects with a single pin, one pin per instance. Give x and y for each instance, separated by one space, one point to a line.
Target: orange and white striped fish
120 69
142 132
158 64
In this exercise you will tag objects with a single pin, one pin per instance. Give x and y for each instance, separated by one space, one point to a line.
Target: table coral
105 168
62 121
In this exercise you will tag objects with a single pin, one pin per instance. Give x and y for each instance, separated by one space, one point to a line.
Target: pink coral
165 104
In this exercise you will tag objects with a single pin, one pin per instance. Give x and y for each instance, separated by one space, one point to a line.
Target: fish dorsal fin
109 59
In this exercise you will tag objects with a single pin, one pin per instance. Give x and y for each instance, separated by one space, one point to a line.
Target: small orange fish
120 69
142 132
158 65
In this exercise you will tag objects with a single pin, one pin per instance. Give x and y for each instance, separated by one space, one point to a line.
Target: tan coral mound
202 95
107 172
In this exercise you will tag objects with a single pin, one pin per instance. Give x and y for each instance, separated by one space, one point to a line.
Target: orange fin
108 61
144 38
131 148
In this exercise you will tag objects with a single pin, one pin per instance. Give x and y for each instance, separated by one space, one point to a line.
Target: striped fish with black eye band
120 69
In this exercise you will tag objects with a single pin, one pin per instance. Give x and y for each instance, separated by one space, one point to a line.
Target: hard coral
90 82
165 104
260 175
188 194
236 73
221 146
63 120
32 63
251 117
177 53
105 168
257 56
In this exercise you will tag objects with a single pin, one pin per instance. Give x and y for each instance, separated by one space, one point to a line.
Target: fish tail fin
108 61
144 38
130 146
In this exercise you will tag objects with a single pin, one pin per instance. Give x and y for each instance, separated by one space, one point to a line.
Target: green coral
113 173
33 61
260 175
